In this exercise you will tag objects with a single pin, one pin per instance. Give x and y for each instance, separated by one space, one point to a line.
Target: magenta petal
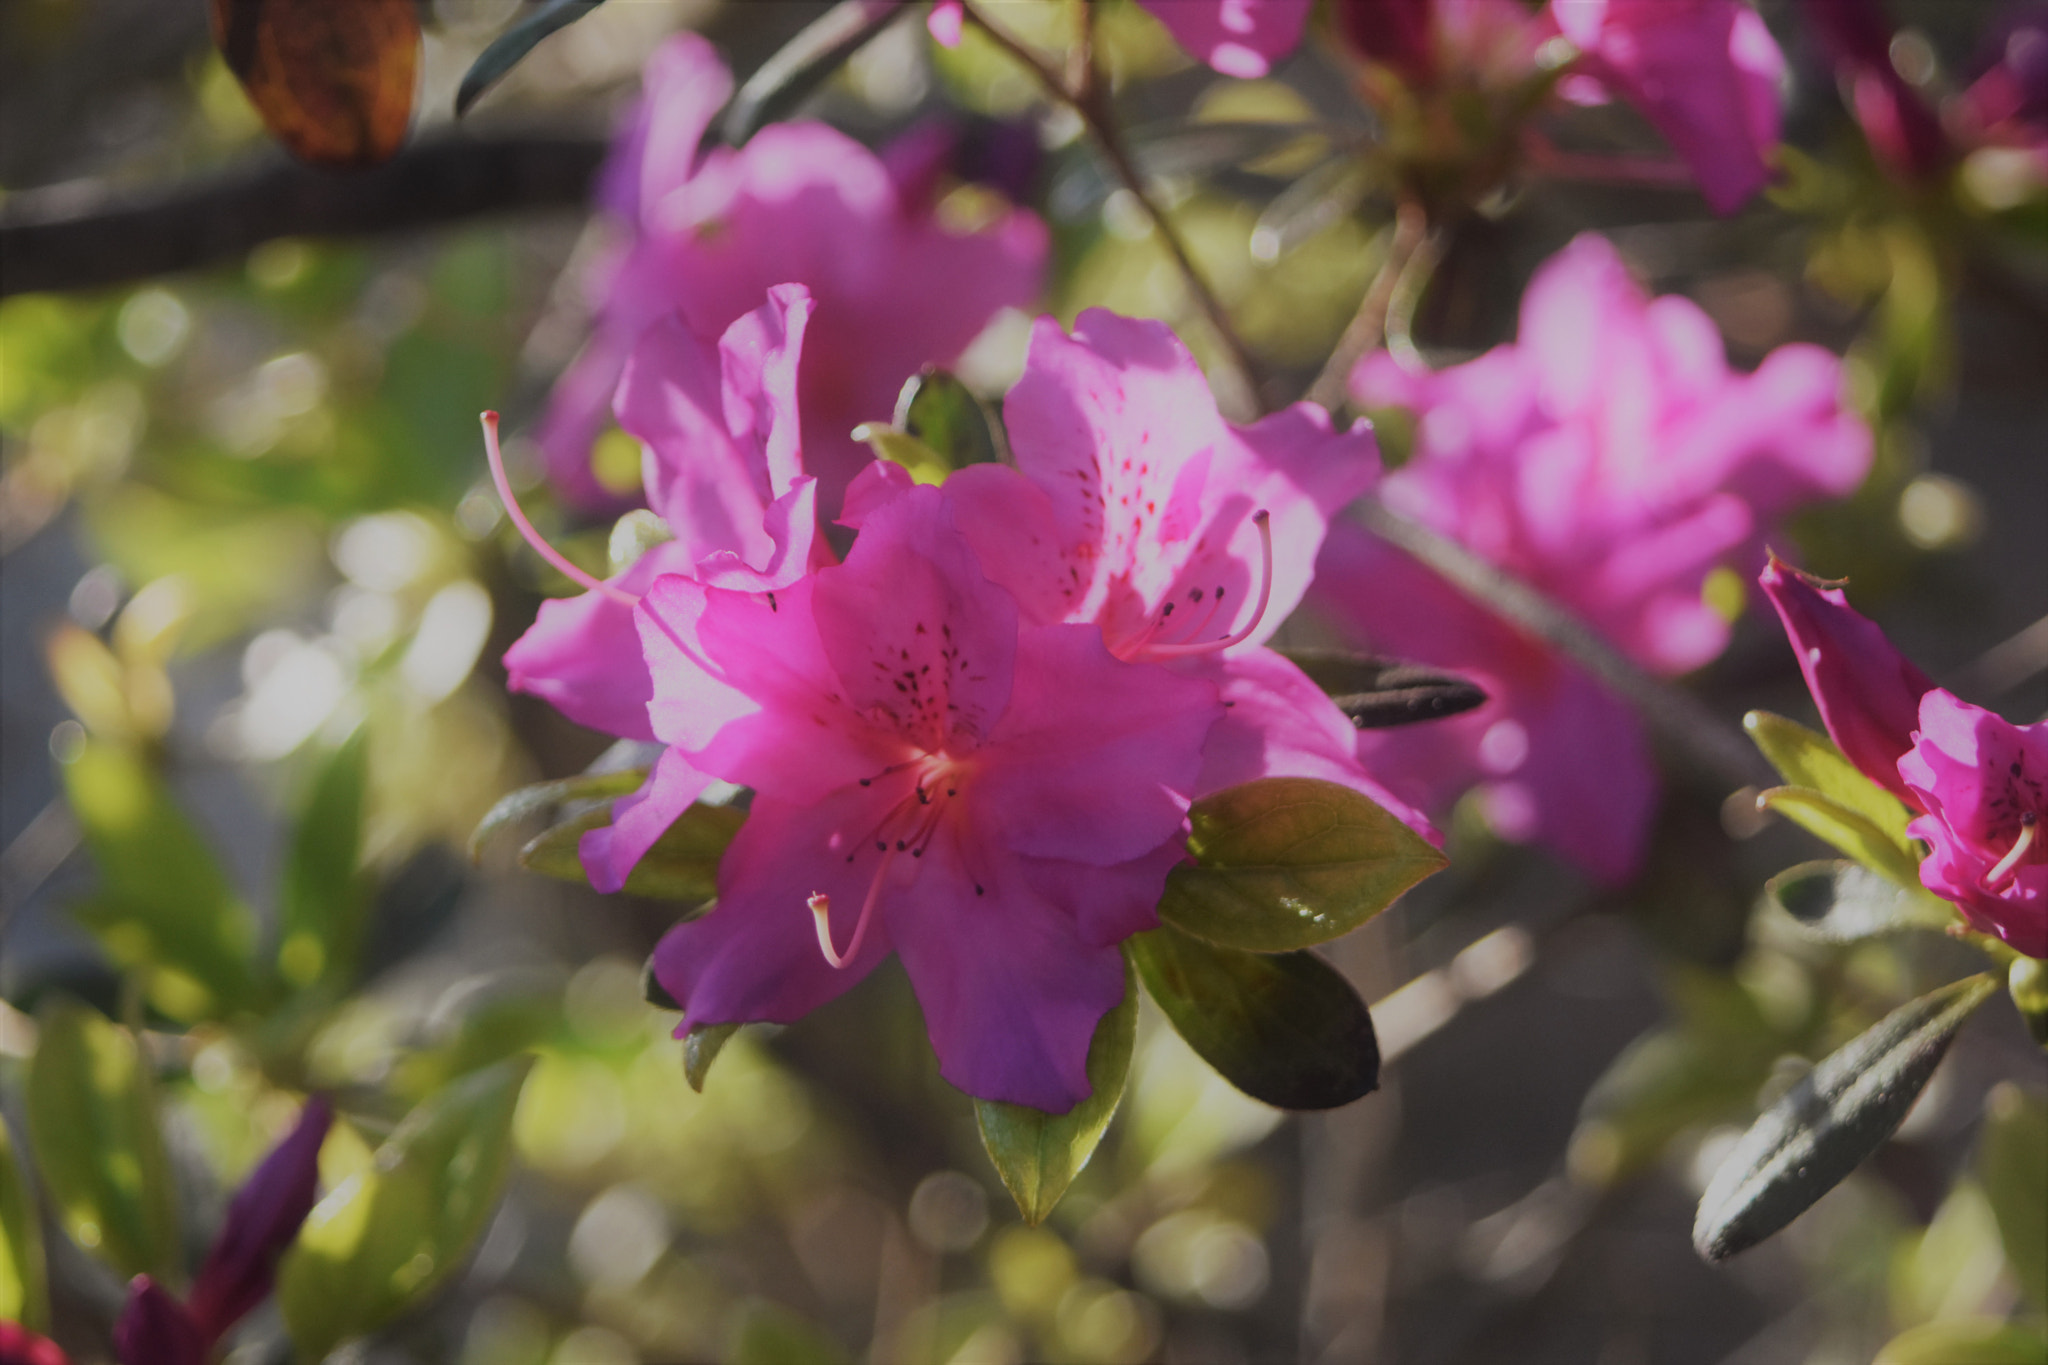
611 852
155 1329
1237 37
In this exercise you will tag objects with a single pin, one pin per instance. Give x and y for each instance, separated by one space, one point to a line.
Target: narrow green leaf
2012 1161
1847 830
926 465
2027 979
701 1049
326 896
164 907
1288 862
24 1279
528 802
1039 1154
804 63
769 1334
1810 759
682 865
1964 1341
1832 1121
1284 1028
385 1237
943 413
509 48
1379 693
1325 194
93 1124
1844 902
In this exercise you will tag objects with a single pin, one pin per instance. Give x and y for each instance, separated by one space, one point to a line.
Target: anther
2029 822
533 537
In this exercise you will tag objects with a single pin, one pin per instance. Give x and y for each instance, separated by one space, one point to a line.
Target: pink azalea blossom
997 802
1611 459
1983 783
800 203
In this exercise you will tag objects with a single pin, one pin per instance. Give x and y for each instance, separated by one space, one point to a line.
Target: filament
821 911
1264 522
2029 822
533 537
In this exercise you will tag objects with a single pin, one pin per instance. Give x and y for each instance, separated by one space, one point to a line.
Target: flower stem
1368 324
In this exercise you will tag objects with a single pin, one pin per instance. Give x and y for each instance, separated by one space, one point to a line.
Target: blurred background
244 516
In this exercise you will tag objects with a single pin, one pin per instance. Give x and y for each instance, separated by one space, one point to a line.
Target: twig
1683 721
1090 100
1368 324
2005 665
1409 287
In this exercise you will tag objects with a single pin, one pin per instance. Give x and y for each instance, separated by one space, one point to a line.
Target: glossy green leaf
943 413
1288 862
1810 759
1038 1154
803 64
1845 902
385 1237
2012 1161
164 907
1284 1028
325 895
94 1127
682 865
701 1049
24 1279
1831 1121
2027 979
509 48
1852 833
541 797
769 1334
1964 1341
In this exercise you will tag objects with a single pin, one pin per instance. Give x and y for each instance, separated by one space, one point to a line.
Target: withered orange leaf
333 79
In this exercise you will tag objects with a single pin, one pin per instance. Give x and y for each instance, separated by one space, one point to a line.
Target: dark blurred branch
86 236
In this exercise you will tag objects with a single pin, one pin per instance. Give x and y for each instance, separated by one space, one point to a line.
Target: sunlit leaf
1288 862
2012 1161
769 1334
1039 1154
530 801
1852 833
1810 759
944 414
1965 1341
384 1238
94 1127
24 1282
2027 979
325 895
1378 693
804 63
926 465
334 82
1284 1028
681 866
1843 902
509 48
1831 1121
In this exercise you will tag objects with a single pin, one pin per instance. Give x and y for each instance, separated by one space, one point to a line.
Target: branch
1368 324
87 236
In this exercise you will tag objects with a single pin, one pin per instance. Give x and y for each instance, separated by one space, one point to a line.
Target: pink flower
1236 37
1868 693
945 21
1396 33
1611 459
1705 72
1983 783
998 803
1900 125
801 203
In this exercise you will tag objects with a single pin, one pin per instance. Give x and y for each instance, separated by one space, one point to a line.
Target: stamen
2029 822
1265 524
533 537
821 910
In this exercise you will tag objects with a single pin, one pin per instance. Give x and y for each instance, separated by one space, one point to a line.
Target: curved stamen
1265 524
533 537
821 910
2029 822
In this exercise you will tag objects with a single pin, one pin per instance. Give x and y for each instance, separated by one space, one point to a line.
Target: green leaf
769 1334
2027 979
701 1049
385 1237
1038 1154
1845 902
943 413
804 63
527 802
509 48
1852 833
92 1120
1288 862
1284 1028
325 894
164 907
1831 1121
926 465
24 1280
1810 759
682 865
2012 1161
1964 1341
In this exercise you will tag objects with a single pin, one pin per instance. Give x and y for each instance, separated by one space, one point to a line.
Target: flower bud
155 1329
261 1222
1868 693
19 1346
1394 33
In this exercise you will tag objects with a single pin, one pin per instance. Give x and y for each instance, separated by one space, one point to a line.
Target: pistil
2029 822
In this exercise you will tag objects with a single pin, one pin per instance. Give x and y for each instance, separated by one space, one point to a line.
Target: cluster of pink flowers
1977 784
1610 458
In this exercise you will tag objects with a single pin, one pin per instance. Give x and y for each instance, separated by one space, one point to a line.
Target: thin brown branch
88 236
1368 324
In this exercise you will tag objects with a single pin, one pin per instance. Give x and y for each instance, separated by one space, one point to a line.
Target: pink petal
262 1221
611 852
155 1329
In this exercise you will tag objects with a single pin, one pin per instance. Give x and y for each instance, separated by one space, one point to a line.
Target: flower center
2006 866
908 826
1204 606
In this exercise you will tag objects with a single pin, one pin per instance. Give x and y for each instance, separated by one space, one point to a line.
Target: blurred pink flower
1236 37
1900 125
999 803
803 203
1983 783
1611 459
2006 103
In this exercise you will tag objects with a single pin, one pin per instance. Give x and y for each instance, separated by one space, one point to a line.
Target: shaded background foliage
258 482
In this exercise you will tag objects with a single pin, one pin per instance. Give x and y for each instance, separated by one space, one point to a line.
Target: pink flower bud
1868 693
261 1222
1394 33
155 1329
19 1346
